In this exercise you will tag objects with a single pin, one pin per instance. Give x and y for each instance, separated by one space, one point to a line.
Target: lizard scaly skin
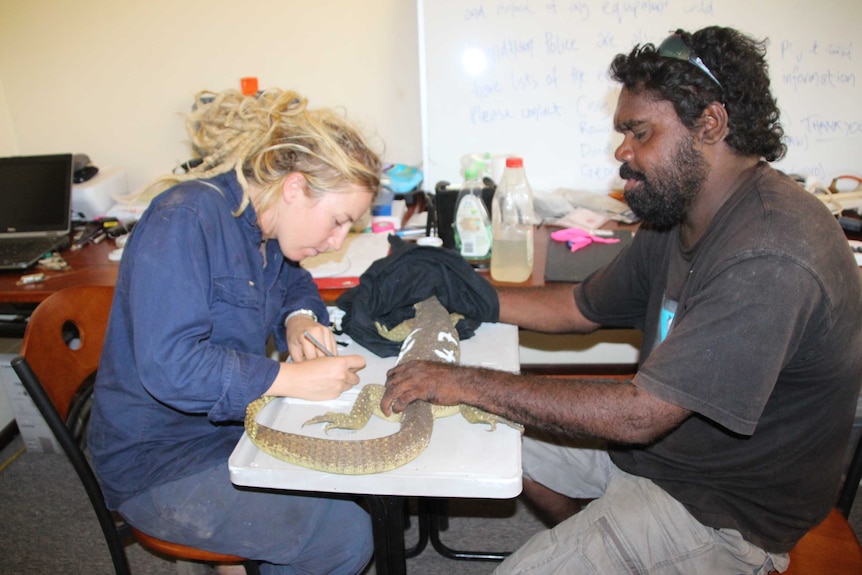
433 338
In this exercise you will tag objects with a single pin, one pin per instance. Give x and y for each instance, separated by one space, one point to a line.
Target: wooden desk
88 266
541 237
462 459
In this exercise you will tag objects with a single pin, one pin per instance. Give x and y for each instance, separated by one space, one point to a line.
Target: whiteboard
545 94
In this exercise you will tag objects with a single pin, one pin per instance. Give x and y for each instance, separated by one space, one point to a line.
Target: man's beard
664 198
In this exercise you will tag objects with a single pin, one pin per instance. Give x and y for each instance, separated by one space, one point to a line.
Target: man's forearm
549 309
604 408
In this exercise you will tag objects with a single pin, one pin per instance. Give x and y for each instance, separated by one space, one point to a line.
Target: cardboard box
34 431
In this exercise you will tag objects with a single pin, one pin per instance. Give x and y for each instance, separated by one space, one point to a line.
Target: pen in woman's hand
317 344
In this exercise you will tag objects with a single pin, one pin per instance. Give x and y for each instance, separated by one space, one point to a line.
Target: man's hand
439 383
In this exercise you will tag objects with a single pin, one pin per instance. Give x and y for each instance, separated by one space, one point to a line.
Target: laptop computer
35 207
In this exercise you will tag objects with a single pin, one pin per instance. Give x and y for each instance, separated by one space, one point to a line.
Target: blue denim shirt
185 350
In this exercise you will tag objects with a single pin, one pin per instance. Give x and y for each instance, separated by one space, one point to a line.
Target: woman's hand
300 347
317 379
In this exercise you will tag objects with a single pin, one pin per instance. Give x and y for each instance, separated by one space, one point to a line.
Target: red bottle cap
248 85
514 162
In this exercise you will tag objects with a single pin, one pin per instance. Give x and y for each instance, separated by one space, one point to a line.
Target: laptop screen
35 193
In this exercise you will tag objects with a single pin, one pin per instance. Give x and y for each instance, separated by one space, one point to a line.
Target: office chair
831 547
59 357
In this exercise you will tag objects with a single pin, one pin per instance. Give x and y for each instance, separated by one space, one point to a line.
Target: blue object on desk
401 178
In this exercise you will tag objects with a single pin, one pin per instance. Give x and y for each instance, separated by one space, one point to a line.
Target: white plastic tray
462 460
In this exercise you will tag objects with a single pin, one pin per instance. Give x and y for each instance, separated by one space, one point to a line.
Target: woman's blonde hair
264 137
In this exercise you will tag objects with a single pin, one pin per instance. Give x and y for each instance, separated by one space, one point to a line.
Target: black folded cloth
410 274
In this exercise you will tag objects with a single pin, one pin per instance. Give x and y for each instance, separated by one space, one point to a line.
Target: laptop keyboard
11 249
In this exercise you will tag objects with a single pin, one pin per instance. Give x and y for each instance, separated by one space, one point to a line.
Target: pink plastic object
578 238
380 227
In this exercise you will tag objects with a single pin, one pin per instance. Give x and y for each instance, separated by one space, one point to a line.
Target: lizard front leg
366 405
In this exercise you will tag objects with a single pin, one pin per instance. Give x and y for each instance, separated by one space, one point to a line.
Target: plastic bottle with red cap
512 225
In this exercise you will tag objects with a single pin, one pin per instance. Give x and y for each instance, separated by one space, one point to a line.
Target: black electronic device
35 200
84 174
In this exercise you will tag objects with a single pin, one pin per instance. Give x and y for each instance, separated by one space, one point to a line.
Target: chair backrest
60 351
851 481
832 546
63 340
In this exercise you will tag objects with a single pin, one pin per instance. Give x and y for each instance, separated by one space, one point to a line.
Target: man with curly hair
729 442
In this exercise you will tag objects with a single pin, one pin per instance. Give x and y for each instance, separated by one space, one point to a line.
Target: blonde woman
208 276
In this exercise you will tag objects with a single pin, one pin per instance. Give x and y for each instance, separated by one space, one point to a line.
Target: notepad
563 265
356 255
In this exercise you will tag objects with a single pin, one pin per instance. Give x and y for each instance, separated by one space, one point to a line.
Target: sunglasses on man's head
674 47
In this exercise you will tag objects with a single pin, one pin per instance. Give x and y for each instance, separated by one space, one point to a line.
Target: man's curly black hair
739 64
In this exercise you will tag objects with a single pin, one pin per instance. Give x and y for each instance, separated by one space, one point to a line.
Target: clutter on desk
99 229
387 215
94 197
551 207
579 238
851 221
54 262
344 267
401 178
856 248
490 165
564 265
416 226
84 238
398 183
430 241
82 168
28 279
581 218
382 227
844 193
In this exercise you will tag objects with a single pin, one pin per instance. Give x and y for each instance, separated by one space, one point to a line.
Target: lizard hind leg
476 415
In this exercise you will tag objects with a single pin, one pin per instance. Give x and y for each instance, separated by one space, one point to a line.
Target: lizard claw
331 418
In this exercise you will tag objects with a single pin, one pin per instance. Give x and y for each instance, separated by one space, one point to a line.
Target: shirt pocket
237 315
237 292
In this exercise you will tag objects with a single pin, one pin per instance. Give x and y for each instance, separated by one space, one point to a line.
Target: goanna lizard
433 337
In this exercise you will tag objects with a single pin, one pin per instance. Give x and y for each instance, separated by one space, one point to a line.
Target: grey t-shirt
761 341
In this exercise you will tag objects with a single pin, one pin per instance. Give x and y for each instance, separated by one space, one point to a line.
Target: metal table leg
387 519
436 510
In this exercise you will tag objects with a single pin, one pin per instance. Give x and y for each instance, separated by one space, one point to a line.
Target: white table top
462 459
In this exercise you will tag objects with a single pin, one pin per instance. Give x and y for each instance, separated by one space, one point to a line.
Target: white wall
8 145
602 347
113 79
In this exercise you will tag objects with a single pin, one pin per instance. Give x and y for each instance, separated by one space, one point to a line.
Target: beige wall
113 79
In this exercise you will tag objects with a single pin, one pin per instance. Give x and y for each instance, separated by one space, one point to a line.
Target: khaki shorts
632 526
